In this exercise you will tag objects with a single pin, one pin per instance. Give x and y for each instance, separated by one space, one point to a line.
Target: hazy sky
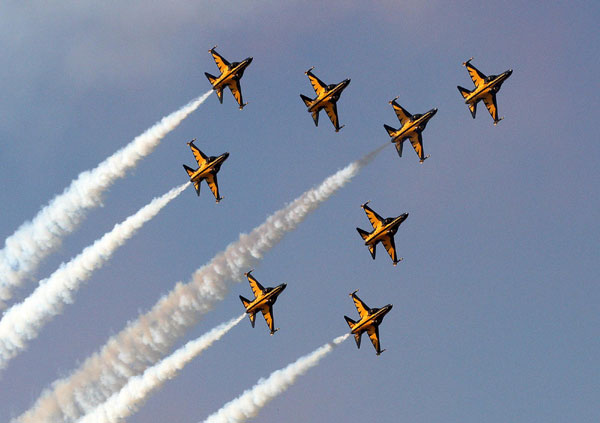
496 310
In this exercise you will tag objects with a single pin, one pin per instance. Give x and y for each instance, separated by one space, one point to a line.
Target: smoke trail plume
128 400
148 338
35 239
23 321
251 401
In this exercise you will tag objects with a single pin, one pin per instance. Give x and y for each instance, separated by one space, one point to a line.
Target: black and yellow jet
327 97
208 167
370 319
486 88
263 301
383 231
231 73
412 126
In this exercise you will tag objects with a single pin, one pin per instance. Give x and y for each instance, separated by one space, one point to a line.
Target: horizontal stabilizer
389 130
399 145
464 92
306 100
364 234
350 322
211 78
245 301
189 170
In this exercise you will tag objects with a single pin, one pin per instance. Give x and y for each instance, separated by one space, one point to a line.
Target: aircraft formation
383 229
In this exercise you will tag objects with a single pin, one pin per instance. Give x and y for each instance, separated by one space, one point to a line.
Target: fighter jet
383 230
486 88
231 73
370 319
208 167
264 298
412 126
327 97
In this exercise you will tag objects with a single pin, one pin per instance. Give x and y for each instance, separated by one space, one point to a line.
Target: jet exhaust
254 399
138 388
148 338
35 239
23 321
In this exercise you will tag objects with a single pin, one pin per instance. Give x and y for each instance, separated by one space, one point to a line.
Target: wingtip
311 68
248 272
338 129
191 142
273 331
467 62
214 47
353 292
394 99
363 205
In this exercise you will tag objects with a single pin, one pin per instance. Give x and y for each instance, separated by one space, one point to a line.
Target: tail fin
350 322
211 78
465 93
362 233
189 170
389 130
306 100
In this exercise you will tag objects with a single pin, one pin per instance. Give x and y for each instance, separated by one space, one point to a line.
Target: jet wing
361 307
331 110
373 333
403 115
198 155
319 86
236 90
374 218
257 288
390 247
416 140
211 180
477 77
222 64
268 315
490 102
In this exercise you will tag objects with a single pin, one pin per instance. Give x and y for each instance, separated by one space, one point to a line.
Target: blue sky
496 303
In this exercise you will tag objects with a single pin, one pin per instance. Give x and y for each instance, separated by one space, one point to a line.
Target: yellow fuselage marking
203 171
260 302
381 232
482 91
409 128
367 321
324 98
227 76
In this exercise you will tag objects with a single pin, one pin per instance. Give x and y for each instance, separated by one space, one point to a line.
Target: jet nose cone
390 306
249 59
226 155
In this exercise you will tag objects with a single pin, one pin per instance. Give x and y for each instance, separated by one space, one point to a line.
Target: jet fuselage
389 227
266 300
491 86
212 165
330 96
416 124
235 72
374 318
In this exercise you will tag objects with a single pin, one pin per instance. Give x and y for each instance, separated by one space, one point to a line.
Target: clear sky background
496 306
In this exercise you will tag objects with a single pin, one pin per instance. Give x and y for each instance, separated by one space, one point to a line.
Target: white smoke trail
148 338
35 239
252 400
23 321
128 400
